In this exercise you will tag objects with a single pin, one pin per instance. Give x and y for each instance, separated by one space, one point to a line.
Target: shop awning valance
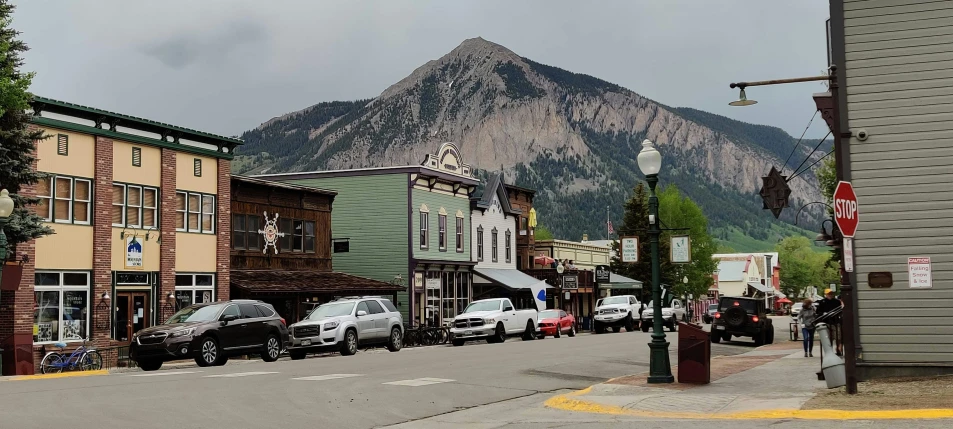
759 287
292 281
511 279
617 281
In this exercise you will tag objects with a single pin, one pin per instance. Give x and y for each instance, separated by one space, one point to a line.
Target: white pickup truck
671 315
493 319
617 312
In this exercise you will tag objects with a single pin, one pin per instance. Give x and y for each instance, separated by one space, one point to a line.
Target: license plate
305 342
467 332
720 328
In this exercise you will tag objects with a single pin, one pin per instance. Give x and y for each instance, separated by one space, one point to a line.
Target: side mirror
361 313
228 318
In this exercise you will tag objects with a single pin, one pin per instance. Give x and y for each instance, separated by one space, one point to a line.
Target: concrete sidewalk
771 382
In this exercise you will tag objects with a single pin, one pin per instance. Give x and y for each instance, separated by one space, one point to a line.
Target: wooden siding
493 217
899 74
450 204
371 211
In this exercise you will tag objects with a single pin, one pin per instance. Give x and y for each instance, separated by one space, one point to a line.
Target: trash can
694 354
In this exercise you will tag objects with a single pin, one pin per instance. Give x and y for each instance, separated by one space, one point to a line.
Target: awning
291 281
760 287
510 279
617 281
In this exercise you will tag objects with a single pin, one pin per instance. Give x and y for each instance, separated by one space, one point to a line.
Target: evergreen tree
17 139
635 222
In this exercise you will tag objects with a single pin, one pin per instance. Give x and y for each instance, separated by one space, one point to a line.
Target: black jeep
742 317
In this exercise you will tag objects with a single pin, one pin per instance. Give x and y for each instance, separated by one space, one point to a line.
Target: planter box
12 273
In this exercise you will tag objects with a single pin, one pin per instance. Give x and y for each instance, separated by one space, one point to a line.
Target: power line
812 153
783 166
812 165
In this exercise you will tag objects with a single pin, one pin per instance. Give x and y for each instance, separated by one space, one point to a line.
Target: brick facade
224 231
102 245
167 219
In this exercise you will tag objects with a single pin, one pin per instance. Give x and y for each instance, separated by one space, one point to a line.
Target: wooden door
132 314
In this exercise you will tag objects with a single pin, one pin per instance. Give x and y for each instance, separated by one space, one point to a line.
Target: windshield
483 306
713 307
331 310
205 313
615 300
548 314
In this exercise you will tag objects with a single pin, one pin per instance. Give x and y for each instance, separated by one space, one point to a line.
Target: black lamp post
660 369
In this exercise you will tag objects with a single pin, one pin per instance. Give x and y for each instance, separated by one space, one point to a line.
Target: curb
60 375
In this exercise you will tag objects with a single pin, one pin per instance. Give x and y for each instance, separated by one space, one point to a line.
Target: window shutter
62 144
198 167
137 157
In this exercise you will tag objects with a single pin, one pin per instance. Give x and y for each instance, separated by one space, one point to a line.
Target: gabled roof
494 186
732 271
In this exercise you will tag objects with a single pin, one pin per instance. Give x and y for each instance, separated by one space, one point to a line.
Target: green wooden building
409 225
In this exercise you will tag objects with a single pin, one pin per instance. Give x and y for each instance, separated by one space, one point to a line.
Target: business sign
270 233
133 253
629 249
433 284
570 282
920 272
849 255
681 249
602 274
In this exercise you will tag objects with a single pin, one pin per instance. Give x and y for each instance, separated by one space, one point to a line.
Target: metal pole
660 369
847 289
744 85
3 244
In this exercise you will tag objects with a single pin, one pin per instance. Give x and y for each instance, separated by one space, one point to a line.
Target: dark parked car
742 317
210 333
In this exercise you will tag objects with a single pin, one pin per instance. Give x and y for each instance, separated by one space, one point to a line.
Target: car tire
271 349
645 326
208 352
396 340
673 325
349 344
629 324
597 328
500 334
150 365
297 354
770 339
529 333
617 329
558 333
715 337
458 343
726 337
222 361
572 331
759 338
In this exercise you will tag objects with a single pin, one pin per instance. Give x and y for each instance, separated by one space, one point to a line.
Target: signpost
630 249
602 274
845 209
849 255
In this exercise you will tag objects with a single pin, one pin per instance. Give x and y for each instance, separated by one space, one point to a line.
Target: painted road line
327 377
163 373
570 402
61 375
417 382
240 374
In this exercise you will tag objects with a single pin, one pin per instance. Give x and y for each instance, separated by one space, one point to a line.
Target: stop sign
845 209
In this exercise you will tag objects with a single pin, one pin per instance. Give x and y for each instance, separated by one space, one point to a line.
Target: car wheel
458 343
558 333
759 339
221 361
597 328
500 333
150 365
530 333
673 325
572 331
770 339
271 349
396 340
629 324
715 337
208 352
297 354
349 345
616 329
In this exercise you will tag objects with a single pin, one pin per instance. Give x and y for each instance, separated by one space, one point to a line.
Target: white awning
760 287
617 281
511 279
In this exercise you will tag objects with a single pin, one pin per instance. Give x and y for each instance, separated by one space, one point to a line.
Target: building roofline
283 185
370 171
520 188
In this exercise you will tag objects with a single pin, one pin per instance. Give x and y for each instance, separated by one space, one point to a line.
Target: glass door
132 314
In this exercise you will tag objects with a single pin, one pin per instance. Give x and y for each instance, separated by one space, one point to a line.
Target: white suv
617 312
346 324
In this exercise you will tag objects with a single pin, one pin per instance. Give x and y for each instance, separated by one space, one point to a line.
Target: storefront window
60 306
193 289
449 308
463 291
432 311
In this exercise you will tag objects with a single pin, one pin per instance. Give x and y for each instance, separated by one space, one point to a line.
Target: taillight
283 321
718 315
755 319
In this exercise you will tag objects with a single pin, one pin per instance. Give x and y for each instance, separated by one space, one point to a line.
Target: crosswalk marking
417 382
157 374
327 377
240 374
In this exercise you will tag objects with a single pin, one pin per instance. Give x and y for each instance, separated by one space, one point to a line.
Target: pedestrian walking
805 320
829 312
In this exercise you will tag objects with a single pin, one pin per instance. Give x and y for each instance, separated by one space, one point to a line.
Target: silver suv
345 324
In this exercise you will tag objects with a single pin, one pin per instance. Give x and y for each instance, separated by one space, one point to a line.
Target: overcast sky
225 66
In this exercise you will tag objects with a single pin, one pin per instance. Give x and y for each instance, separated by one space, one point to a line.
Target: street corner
57 375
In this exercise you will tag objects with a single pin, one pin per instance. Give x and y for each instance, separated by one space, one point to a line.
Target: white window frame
480 243
72 200
184 211
508 246
195 289
460 225
189 210
126 204
442 232
495 245
424 230
62 292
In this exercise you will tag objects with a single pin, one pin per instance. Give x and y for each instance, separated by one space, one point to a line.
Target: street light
6 209
660 369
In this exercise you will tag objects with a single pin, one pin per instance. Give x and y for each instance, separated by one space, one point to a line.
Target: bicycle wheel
52 363
428 337
444 335
91 361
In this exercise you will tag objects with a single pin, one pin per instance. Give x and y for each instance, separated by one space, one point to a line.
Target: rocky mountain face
572 137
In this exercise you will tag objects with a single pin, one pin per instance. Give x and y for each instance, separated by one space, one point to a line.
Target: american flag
609 224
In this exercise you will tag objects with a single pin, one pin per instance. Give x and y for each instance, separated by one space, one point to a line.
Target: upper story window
524 225
495 243
195 212
135 206
424 227
480 243
442 231
459 234
509 257
64 199
245 235
299 235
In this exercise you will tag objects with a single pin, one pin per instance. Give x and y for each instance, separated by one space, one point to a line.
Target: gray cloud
181 50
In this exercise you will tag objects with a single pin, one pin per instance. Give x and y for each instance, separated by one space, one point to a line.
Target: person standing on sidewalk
829 312
805 320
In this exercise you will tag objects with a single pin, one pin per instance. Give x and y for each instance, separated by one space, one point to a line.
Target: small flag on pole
609 223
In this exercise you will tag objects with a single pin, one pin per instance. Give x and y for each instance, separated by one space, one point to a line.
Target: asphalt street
371 389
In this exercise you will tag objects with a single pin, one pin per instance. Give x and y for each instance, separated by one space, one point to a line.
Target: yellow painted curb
60 375
568 402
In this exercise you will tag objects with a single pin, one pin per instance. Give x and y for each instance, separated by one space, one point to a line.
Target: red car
549 319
